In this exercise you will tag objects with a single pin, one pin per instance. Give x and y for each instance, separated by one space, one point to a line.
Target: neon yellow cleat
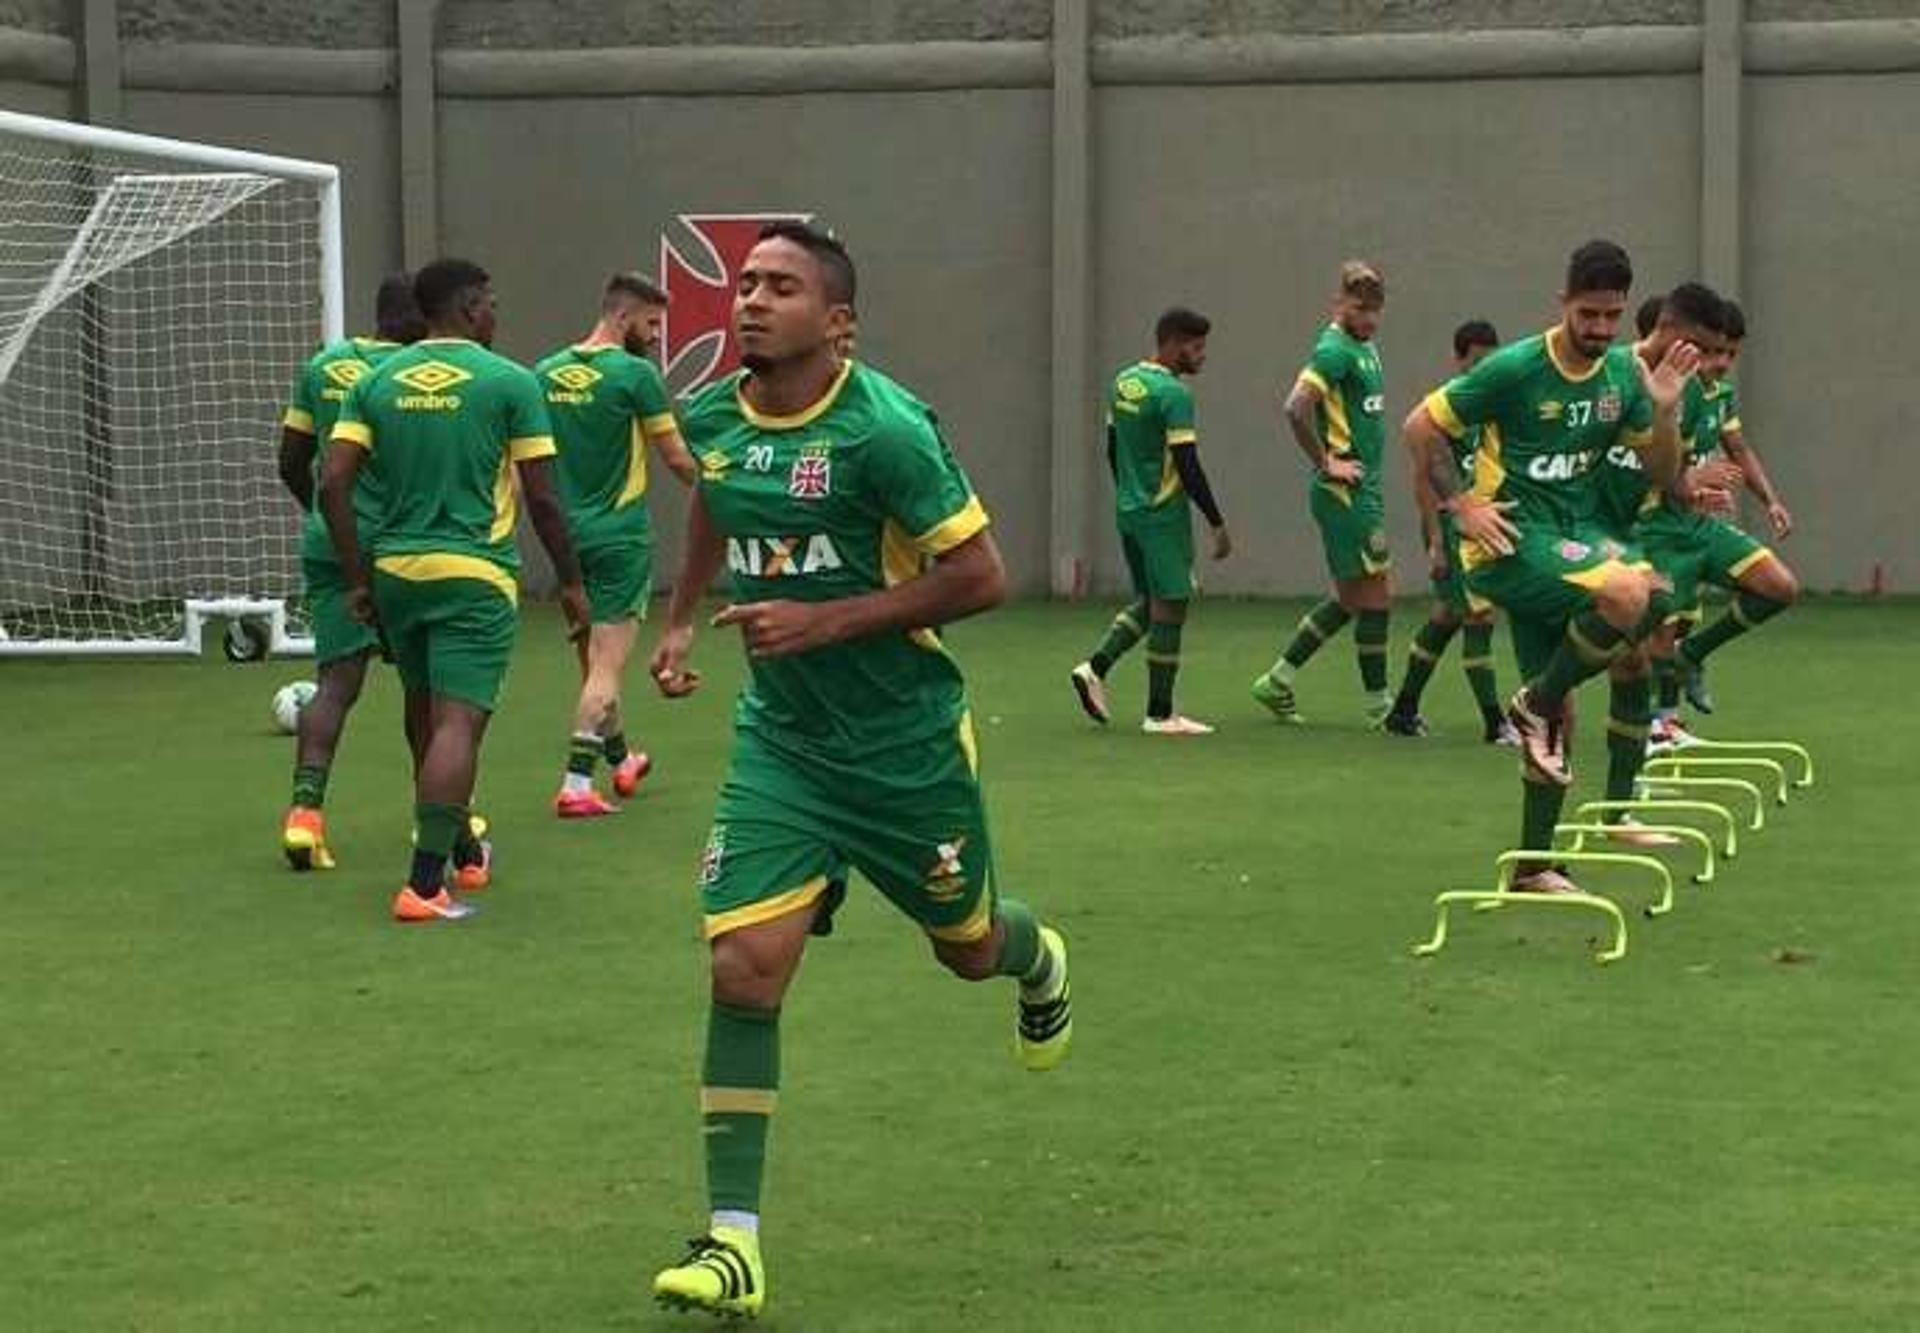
304 840
1045 1025
1277 698
722 1274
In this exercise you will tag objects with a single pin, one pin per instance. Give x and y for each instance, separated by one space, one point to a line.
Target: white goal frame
271 613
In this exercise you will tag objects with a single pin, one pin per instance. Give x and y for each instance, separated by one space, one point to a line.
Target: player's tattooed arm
1301 409
1479 519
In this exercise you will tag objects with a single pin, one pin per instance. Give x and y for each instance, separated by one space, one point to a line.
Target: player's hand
1222 542
1667 381
668 667
1485 521
574 607
1781 518
1346 471
360 605
778 629
1719 474
1714 500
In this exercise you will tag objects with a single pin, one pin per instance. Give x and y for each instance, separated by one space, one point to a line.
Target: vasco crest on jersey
812 475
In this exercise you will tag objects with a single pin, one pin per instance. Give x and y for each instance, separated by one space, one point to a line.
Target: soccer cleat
1544 879
1045 1023
1502 734
1543 748
1277 698
1175 726
1092 691
1376 709
628 772
410 907
475 876
1693 680
304 840
1630 832
721 1274
588 804
1669 733
1398 723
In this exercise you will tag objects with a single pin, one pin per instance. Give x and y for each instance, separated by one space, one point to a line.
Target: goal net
155 300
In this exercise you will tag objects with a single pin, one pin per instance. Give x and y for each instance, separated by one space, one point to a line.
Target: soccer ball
288 700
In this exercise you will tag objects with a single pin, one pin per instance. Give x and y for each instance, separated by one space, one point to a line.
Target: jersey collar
806 415
1553 355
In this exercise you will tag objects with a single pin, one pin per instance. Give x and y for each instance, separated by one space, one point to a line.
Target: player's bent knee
1622 599
972 961
1772 580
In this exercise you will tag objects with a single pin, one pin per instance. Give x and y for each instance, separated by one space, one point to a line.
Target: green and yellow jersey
854 494
1625 495
318 391
1151 414
1545 428
443 422
606 405
1352 407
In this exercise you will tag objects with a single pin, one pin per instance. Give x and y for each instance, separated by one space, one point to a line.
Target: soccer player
1648 315
341 644
609 406
445 425
1452 608
1154 453
848 530
1334 411
1551 406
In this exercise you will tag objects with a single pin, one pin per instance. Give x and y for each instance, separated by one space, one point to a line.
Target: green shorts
336 634
619 580
1158 545
1353 531
787 830
448 636
1552 574
1690 549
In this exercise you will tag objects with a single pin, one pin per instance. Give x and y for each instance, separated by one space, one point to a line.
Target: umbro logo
430 381
575 377
346 373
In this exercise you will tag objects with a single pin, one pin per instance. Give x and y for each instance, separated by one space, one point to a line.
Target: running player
1452 608
1154 454
341 644
446 425
609 406
1334 411
848 529
1552 405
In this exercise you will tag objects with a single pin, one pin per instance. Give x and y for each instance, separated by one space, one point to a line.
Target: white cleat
1546 879
1668 734
1175 726
1092 691
1630 832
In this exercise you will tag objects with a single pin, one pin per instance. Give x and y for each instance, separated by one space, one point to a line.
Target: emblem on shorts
1571 550
711 858
812 475
948 878
1607 408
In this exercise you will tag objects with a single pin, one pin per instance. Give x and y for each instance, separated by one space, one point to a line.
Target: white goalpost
156 298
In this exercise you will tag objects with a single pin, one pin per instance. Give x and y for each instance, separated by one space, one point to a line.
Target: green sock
1163 664
1666 683
435 828
1746 611
614 746
739 1085
1627 735
1370 645
1589 646
1429 643
1125 631
1540 805
1316 627
583 751
1476 655
310 786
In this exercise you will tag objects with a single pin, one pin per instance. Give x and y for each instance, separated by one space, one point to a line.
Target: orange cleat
304 840
410 907
475 877
628 772
588 804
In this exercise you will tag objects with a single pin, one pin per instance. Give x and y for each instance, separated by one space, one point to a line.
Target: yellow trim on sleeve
752 914
737 1101
949 532
658 425
430 566
1489 468
1440 408
636 483
1182 435
1314 380
298 418
353 432
523 447
1731 425
1339 432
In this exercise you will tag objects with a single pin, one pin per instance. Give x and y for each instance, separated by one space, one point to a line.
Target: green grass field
237 1099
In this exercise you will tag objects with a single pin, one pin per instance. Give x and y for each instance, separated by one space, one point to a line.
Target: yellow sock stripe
1127 622
1739 616
1312 626
1615 727
1476 663
737 1101
1417 651
1590 652
1164 659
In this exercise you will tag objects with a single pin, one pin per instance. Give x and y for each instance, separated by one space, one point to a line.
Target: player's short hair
1648 315
1736 319
395 310
836 265
1599 266
1696 306
1474 333
1362 281
630 286
441 286
1180 322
